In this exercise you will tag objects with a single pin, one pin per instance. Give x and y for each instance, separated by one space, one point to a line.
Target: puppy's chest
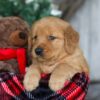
48 68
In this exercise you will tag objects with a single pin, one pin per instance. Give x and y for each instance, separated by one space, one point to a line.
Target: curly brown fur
61 55
13 34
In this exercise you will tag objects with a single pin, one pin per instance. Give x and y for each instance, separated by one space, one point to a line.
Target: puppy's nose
22 35
39 51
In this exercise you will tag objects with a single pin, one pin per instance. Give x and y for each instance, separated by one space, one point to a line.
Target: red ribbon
19 54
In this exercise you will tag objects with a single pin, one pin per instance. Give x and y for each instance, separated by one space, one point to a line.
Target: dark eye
22 35
35 37
51 37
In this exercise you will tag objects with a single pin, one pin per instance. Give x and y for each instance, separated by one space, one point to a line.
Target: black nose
22 35
39 51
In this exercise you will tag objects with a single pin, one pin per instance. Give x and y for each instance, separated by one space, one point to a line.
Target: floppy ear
29 51
29 44
71 39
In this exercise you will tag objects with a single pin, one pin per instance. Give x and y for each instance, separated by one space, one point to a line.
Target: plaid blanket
11 88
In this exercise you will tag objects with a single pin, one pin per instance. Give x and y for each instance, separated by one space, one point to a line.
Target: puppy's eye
35 37
51 37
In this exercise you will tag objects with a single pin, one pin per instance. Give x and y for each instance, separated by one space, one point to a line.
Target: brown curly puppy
13 34
55 49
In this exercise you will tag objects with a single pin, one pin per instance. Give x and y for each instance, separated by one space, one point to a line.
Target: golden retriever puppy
54 46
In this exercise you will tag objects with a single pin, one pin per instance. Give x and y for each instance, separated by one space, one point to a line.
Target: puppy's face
49 39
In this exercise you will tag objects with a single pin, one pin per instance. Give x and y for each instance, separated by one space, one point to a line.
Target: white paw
31 82
56 83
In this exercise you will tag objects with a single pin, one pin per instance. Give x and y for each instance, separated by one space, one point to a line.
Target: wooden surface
87 22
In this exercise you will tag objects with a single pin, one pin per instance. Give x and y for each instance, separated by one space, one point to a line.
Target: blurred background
84 16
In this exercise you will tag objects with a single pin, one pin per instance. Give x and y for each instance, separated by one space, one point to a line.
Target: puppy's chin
43 58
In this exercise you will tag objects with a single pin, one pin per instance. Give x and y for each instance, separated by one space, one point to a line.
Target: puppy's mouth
44 58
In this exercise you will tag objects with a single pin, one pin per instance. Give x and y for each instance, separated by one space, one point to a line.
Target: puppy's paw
30 82
69 75
56 83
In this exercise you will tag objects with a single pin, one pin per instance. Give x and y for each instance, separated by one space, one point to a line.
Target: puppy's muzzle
39 51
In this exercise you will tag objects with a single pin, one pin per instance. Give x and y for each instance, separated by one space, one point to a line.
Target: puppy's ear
29 43
71 39
29 62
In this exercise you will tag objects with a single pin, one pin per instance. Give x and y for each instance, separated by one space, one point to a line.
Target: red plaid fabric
11 88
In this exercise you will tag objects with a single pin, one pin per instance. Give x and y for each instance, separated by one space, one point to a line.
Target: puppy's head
50 37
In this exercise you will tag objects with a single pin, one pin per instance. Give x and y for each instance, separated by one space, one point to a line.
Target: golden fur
61 57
